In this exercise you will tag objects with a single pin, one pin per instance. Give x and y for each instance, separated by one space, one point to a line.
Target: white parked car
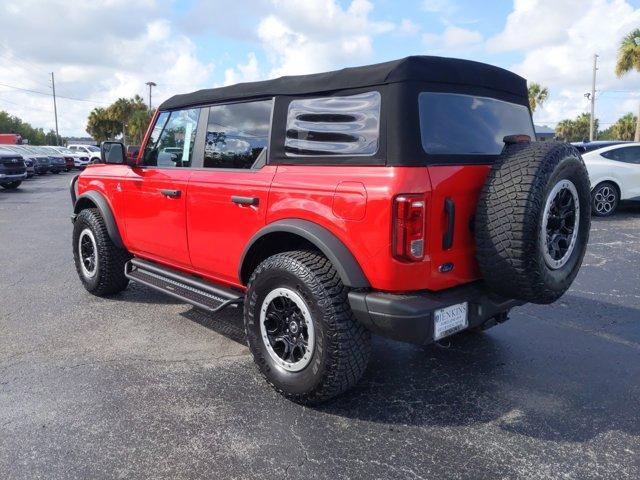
92 151
614 172
80 159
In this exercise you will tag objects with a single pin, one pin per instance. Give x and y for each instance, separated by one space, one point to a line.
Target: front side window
172 138
455 124
330 126
238 135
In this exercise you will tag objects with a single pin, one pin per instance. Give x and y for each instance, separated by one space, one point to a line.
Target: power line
50 94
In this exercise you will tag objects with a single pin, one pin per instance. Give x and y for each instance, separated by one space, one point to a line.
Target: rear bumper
409 317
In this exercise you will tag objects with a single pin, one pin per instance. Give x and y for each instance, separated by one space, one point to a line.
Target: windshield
455 124
91 148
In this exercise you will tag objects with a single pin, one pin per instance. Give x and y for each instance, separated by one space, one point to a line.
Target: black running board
187 288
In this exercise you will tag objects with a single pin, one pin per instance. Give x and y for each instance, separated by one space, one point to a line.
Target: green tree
575 130
537 95
35 136
628 60
137 125
624 128
128 117
101 126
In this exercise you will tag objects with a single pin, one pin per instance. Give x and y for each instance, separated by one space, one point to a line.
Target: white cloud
408 27
536 23
558 52
99 52
452 38
316 35
247 72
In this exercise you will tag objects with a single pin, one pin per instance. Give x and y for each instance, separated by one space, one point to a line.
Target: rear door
462 135
155 190
228 194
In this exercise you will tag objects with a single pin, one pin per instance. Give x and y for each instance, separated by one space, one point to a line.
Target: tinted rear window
455 124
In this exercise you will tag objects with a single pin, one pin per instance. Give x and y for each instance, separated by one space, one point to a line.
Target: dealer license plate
450 320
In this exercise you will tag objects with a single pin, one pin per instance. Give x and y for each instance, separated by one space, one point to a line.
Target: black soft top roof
426 69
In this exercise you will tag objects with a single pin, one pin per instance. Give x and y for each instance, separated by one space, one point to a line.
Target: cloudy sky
103 50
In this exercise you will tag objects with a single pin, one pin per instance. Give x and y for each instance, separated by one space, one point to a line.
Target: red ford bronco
405 198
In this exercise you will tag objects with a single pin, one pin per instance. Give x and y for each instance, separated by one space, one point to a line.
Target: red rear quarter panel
355 204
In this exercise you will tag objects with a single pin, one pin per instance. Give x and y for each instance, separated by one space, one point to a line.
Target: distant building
81 141
544 133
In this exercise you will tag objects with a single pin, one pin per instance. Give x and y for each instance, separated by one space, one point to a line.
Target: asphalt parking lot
141 386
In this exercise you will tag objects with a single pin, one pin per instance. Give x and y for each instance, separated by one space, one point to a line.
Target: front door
227 198
155 190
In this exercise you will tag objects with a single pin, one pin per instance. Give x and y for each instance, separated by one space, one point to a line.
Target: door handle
238 200
170 193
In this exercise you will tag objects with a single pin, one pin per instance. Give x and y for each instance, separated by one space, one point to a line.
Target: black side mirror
113 152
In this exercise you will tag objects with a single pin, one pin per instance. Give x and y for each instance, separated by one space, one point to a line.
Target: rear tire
99 262
605 199
300 328
533 220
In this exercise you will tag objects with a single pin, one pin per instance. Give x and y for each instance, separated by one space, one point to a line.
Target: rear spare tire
532 221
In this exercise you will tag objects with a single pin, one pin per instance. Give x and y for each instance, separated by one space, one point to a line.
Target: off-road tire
342 345
109 277
613 189
11 185
509 220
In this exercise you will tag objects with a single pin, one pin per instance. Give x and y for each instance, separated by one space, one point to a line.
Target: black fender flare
331 246
103 207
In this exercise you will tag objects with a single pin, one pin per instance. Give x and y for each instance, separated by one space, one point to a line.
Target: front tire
300 328
604 199
11 185
99 262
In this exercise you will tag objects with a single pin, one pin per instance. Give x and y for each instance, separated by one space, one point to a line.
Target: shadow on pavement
562 373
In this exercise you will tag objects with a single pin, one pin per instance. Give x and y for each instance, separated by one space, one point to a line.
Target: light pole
151 84
593 98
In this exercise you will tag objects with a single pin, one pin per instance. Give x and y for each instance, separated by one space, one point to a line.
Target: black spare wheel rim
560 223
287 329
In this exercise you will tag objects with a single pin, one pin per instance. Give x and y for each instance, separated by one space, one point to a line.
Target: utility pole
151 84
55 107
593 97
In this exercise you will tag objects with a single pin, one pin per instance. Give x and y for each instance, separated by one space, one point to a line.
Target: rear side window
238 135
455 124
331 126
624 154
172 138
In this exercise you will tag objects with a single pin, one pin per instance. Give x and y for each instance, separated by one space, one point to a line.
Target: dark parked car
37 166
58 162
12 169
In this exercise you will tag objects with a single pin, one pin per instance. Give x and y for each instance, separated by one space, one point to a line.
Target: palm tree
624 128
629 59
537 95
